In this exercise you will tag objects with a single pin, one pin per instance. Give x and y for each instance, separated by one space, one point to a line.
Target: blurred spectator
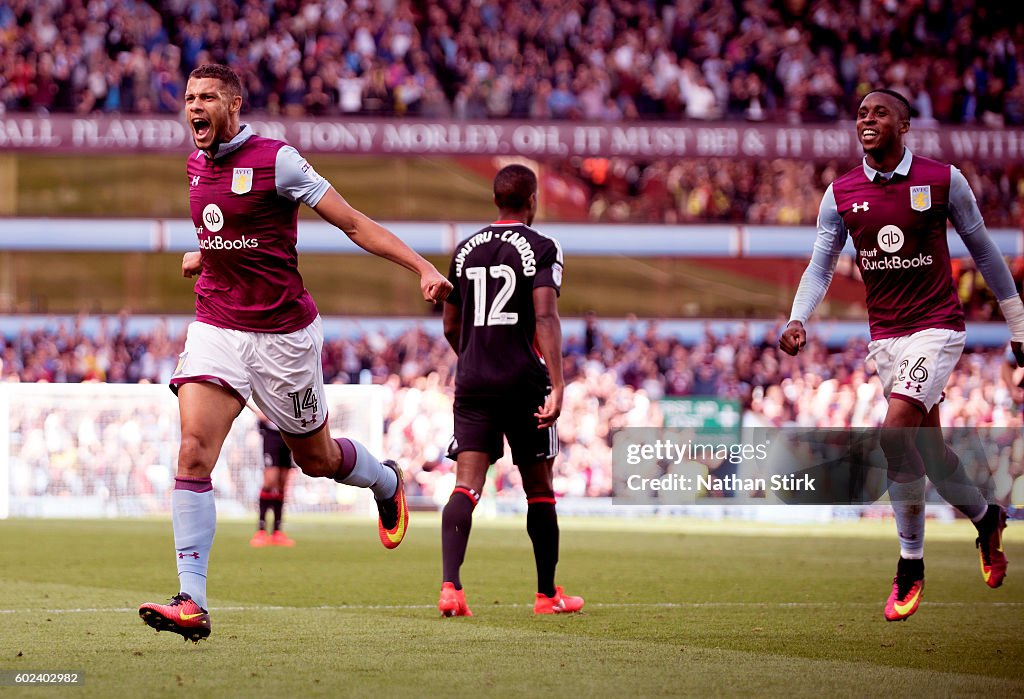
653 59
763 192
611 383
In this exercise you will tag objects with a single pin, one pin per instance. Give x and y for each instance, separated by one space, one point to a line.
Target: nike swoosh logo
400 526
908 605
986 573
399 530
189 617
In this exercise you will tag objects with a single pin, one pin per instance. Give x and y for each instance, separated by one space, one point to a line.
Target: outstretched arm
818 275
376 239
297 181
966 217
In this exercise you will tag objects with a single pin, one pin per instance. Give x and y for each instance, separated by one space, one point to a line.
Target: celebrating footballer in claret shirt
257 332
895 206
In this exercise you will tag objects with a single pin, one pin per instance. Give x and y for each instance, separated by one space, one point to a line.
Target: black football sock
456 523
277 504
265 505
542 526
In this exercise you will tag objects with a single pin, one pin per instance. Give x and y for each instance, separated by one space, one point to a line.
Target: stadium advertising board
705 414
532 139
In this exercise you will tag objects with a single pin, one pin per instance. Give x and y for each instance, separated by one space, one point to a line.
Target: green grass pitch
674 608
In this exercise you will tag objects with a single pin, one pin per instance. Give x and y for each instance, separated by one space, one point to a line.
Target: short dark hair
221 72
904 102
513 186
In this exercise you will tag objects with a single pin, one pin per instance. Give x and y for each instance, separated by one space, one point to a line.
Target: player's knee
895 443
540 495
904 461
942 464
950 459
538 481
539 492
316 465
195 457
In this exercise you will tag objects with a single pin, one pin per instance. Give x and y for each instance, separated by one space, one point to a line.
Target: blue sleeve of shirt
966 218
296 179
827 248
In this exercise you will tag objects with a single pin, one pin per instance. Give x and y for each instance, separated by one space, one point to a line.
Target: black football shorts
275 451
481 423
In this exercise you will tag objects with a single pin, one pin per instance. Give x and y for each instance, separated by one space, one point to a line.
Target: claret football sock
194 516
456 523
361 469
542 526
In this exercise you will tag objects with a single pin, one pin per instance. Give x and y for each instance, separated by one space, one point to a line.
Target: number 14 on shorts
307 402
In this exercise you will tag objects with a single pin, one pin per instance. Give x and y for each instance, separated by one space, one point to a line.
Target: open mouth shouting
202 129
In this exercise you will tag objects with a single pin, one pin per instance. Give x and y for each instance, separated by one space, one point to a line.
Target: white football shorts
280 372
916 367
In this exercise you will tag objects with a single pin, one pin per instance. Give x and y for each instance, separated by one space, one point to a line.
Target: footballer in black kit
501 378
502 321
277 470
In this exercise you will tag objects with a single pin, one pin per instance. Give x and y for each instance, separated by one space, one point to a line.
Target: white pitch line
600 605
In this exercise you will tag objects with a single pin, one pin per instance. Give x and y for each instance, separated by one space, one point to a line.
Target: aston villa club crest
921 198
241 182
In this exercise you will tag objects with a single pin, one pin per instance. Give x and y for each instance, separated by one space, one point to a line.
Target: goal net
110 450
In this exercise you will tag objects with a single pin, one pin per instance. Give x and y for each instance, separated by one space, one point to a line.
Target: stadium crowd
806 61
606 60
612 60
758 192
612 383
